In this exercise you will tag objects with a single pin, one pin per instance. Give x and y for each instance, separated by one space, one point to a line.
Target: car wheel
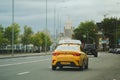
96 55
86 66
53 67
83 66
60 67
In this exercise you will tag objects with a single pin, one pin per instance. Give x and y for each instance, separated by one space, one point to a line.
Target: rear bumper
91 52
76 63
71 64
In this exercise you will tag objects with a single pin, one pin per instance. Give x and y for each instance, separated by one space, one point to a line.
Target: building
68 29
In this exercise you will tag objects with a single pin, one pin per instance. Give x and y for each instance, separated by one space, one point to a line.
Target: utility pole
54 23
46 31
12 27
116 31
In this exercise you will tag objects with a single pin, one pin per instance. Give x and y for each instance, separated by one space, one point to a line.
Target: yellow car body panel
66 57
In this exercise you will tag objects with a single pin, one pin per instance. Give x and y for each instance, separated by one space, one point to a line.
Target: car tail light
55 54
53 61
76 54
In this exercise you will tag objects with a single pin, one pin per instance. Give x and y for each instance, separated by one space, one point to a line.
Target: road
105 67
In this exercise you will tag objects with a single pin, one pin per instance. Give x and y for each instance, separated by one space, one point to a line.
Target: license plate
65 62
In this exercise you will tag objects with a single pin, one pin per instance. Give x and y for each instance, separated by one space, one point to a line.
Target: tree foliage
86 32
111 29
27 35
8 33
38 39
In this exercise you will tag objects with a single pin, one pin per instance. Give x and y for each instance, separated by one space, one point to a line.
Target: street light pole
116 31
12 27
46 30
59 22
54 23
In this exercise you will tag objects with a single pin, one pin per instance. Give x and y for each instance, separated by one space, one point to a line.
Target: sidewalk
23 55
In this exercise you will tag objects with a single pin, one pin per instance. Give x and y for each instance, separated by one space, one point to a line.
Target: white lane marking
4 65
22 73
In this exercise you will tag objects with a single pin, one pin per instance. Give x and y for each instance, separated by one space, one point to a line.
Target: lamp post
12 27
54 23
46 30
57 20
116 32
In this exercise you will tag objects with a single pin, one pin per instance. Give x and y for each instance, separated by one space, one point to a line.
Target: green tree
26 38
3 41
86 32
45 40
8 33
111 30
38 40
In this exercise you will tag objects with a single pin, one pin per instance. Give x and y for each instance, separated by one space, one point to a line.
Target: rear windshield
75 48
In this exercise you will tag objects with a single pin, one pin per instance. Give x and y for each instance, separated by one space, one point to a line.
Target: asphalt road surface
105 67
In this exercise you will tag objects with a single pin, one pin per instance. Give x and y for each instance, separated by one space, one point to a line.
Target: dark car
111 50
91 49
117 51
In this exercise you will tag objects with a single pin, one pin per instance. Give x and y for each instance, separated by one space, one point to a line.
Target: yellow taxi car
69 55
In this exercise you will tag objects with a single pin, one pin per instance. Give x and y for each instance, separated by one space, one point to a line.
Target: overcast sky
33 12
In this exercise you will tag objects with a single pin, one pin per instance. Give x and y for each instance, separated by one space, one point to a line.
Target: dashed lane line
23 73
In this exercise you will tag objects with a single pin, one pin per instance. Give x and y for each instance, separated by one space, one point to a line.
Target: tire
96 55
61 67
86 66
53 67
82 68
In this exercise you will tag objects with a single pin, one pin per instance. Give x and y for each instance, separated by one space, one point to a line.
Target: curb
23 55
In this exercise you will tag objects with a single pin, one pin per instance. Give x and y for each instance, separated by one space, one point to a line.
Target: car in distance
91 49
111 50
116 51
69 55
